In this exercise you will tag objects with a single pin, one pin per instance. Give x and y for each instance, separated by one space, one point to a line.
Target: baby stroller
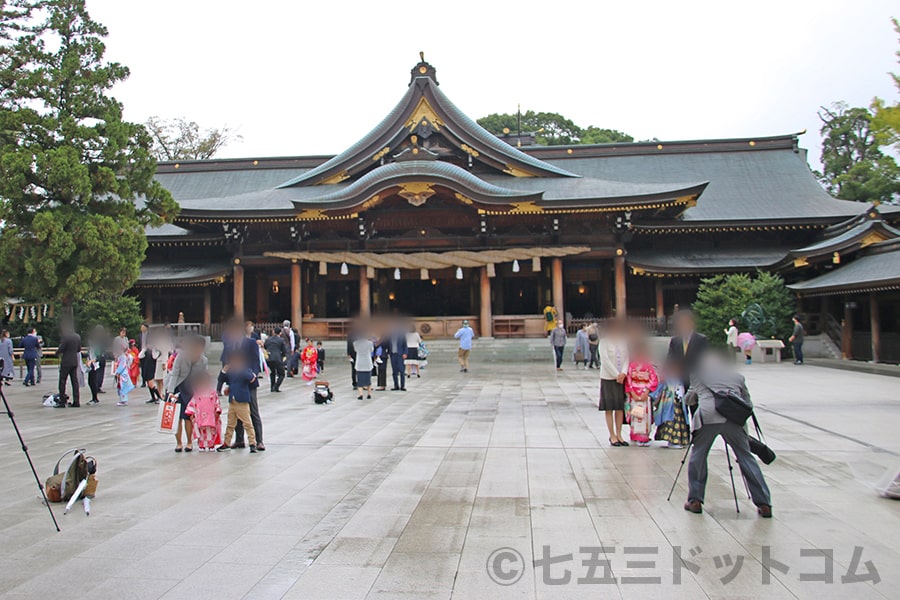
322 394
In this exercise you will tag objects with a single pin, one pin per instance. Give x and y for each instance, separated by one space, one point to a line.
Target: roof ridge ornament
423 69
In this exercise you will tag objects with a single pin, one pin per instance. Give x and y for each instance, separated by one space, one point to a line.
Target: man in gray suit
713 375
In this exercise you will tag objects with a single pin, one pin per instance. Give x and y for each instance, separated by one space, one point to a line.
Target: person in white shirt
613 351
413 339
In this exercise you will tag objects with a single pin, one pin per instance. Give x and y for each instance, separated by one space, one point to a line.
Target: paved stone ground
408 495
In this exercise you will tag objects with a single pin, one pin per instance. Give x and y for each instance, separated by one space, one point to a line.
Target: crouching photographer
721 405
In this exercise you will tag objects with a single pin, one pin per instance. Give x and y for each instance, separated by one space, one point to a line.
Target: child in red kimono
640 381
204 410
310 359
134 363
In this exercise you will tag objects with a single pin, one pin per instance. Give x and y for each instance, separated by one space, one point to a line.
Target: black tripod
12 419
730 472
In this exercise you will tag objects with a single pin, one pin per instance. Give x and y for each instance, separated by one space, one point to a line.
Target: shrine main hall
431 216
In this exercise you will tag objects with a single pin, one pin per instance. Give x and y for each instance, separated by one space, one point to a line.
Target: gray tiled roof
181 272
878 269
689 259
751 185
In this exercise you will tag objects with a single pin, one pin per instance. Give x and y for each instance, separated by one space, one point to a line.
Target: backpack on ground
322 394
61 486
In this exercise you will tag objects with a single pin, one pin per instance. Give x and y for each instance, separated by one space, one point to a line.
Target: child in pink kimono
204 410
640 381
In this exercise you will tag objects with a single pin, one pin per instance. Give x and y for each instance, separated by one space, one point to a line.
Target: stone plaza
498 483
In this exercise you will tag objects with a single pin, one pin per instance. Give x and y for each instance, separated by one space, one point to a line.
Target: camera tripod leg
731 473
12 419
678 474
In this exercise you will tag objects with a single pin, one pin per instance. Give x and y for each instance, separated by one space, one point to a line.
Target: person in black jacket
250 350
687 346
351 354
69 353
278 351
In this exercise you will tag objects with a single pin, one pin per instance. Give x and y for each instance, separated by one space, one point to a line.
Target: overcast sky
312 77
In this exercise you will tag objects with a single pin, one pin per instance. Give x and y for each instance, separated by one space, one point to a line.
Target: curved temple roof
425 110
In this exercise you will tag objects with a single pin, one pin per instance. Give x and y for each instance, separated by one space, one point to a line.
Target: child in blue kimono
670 413
123 378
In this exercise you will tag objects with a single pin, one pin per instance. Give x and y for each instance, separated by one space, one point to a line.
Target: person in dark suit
351 354
250 349
31 344
687 346
69 353
397 350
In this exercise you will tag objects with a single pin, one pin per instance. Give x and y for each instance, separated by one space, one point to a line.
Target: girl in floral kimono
310 358
204 411
640 381
670 414
123 378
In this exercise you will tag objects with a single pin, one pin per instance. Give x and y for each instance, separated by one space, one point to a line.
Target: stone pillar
487 322
847 331
365 294
238 291
621 306
556 276
875 322
207 306
660 307
148 306
296 308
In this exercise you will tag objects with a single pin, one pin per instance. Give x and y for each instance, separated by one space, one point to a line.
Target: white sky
312 77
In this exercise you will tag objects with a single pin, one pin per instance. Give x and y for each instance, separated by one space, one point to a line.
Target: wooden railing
651 324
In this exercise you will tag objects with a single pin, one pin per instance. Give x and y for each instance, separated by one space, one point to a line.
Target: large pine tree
76 180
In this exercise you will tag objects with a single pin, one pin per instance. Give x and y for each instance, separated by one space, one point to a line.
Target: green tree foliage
180 139
76 180
724 297
551 129
854 167
886 122
112 311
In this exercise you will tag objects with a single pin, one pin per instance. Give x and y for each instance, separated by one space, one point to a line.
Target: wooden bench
509 328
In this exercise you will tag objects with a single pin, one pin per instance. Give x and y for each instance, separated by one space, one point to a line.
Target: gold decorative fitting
517 172
177 166
525 208
569 151
464 199
237 261
752 143
469 150
416 192
801 262
336 178
255 162
368 204
424 110
423 70
836 258
381 153
619 251
312 214
872 238
659 146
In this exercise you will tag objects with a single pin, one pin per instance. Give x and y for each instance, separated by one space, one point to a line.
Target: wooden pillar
875 322
621 310
238 291
262 297
365 294
148 306
847 331
487 324
207 306
296 308
660 307
557 287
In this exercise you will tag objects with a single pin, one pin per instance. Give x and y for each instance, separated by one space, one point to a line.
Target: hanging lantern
423 274
836 258
397 273
323 268
459 273
536 264
344 269
516 266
